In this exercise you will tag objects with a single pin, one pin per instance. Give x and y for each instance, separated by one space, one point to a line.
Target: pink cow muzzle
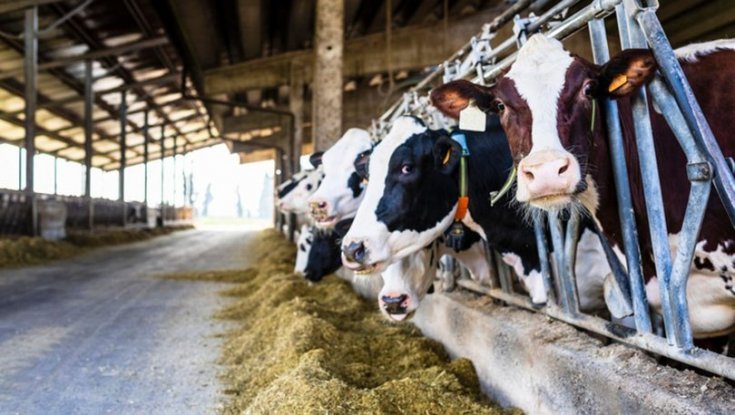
548 179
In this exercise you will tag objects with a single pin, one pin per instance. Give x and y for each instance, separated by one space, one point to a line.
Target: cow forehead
403 129
344 151
539 75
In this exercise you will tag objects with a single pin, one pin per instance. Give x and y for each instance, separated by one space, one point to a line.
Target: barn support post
296 106
328 62
56 175
163 153
145 159
649 170
88 120
30 66
173 172
20 168
601 54
277 179
123 154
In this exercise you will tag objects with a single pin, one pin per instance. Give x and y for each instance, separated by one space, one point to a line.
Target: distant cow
292 195
338 197
546 103
413 195
318 252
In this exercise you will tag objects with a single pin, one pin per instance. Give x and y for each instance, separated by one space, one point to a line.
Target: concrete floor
101 334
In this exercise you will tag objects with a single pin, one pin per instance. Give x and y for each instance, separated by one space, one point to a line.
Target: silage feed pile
319 348
25 250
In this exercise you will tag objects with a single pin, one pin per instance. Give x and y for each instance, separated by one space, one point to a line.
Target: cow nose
317 204
395 304
552 168
546 176
318 209
355 252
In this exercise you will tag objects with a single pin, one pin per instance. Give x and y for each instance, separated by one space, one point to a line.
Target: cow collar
464 200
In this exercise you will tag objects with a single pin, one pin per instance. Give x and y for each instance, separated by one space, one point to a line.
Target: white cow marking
539 75
692 53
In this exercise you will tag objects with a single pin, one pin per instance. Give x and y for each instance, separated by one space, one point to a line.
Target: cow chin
554 202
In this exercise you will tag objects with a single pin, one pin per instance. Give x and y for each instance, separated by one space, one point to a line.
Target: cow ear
626 72
316 159
361 164
453 97
342 227
447 153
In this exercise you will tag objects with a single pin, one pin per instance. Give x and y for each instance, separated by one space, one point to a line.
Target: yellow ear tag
472 118
617 82
446 157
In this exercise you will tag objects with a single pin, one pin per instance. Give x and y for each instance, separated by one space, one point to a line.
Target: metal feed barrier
638 27
81 213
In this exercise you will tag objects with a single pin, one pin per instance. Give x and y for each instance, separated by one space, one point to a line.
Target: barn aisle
102 334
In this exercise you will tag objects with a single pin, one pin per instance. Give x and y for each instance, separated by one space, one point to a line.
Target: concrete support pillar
296 106
173 172
123 155
123 145
145 158
88 115
31 71
163 153
56 175
327 87
88 120
20 168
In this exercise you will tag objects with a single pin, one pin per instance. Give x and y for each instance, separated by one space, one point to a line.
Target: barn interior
133 90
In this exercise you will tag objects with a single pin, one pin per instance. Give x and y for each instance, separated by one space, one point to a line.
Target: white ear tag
472 118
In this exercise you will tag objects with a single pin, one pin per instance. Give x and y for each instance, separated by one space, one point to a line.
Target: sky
214 165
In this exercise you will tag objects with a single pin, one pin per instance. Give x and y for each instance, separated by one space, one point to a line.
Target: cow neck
463 200
505 228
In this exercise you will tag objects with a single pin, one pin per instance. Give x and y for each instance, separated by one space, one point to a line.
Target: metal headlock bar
638 27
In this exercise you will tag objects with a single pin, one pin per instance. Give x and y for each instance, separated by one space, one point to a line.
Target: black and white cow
546 104
318 253
412 198
338 197
293 194
407 281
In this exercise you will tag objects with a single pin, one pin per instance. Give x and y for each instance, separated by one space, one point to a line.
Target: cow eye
589 89
498 106
406 168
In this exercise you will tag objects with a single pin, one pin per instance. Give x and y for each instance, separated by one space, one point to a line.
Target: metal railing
638 27
81 213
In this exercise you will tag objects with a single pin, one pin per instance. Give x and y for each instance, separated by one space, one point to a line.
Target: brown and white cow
546 103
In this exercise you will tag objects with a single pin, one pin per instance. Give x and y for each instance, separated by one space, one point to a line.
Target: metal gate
638 27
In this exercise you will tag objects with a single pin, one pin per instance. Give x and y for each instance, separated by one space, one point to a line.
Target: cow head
546 103
324 255
292 195
341 190
405 283
303 247
410 199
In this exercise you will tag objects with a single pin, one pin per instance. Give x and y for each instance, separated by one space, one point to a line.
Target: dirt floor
102 333
319 348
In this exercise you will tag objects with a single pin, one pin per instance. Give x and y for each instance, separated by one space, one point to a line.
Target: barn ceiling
234 50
